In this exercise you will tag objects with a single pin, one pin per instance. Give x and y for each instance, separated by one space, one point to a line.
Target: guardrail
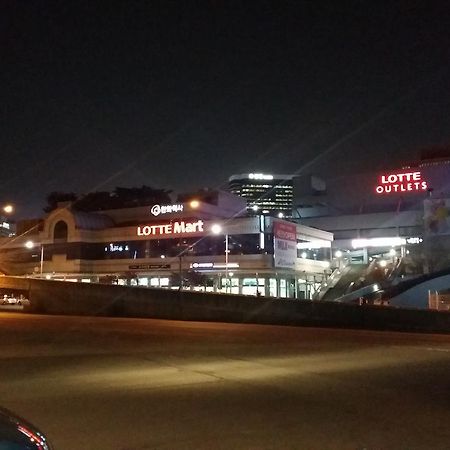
59 297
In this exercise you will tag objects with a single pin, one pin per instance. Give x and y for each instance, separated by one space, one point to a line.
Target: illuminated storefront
174 245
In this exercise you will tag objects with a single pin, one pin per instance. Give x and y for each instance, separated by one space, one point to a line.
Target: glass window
143 281
273 287
249 286
283 288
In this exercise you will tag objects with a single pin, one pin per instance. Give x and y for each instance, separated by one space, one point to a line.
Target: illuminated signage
117 248
260 176
285 244
148 266
385 241
318 243
170 228
156 210
414 240
210 265
401 182
378 242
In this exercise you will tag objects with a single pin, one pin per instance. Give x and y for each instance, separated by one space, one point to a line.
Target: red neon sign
401 182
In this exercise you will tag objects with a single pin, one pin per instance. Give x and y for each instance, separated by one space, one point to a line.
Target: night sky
182 94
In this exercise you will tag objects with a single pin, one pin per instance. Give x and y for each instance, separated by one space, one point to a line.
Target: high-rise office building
264 193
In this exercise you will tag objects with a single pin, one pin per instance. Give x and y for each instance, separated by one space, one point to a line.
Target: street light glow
8 209
378 242
29 244
195 204
216 228
338 254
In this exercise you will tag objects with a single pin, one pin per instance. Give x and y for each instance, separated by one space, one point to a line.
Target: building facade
264 193
383 215
192 245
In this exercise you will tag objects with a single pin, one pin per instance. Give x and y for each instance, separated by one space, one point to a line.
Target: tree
121 197
95 201
56 197
143 196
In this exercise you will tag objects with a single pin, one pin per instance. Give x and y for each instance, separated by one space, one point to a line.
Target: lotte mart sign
170 229
401 182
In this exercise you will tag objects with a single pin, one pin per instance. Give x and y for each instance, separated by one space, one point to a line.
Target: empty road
122 384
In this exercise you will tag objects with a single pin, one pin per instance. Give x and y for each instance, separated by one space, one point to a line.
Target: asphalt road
105 383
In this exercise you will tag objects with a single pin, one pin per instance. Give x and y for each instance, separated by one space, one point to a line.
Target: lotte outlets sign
401 182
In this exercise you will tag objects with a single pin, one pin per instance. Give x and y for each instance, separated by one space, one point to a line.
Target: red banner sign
285 244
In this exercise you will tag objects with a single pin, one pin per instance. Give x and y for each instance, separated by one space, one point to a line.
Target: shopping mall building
398 212
208 244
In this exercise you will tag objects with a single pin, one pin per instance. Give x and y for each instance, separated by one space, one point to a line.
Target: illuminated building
372 214
159 244
265 193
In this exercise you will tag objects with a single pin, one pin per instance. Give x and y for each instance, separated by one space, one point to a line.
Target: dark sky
182 94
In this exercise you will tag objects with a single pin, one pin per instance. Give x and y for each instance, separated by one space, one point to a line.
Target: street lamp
8 209
217 229
194 204
30 245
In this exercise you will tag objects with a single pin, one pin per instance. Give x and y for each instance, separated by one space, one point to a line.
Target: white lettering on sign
117 248
169 229
260 176
156 210
414 240
401 182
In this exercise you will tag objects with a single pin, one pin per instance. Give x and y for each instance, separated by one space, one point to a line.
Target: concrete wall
58 297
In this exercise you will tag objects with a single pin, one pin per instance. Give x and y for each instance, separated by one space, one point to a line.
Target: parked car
18 434
6 300
13 300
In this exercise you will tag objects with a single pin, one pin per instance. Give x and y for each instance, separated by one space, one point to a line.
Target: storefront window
318 254
143 281
283 288
301 289
234 285
272 287
249 286
261 286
